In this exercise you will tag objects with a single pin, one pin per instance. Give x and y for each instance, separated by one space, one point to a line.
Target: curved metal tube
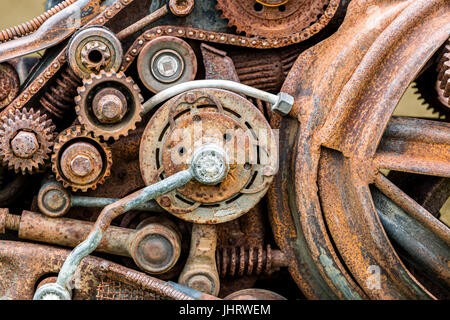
218 84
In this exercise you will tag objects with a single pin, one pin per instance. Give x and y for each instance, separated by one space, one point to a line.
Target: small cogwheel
26 139
79 160
109 104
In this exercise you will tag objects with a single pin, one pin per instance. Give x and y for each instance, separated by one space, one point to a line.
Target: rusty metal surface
35 261
351 116
342 226
179 122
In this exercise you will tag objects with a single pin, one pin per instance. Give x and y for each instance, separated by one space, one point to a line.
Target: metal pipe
149 19
218 84
96 202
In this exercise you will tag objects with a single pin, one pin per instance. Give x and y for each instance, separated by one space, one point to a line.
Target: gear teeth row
29 121
82 109
444 71
63 140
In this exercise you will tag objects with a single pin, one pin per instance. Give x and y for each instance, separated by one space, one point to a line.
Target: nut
24 144
284 104
109 105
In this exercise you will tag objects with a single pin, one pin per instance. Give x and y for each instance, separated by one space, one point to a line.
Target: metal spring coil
239 261
34 24
115 290
59 99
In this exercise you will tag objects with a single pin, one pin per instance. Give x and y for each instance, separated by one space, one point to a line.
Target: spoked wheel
338 217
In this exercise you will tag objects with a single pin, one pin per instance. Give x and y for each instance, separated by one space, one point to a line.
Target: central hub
81 163
210 164
167 66
109 105
24 144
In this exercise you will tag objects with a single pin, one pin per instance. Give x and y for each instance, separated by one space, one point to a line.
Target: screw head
53 200
167 65
24 144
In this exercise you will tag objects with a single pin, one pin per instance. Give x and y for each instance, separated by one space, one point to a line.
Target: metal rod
152 17
96 202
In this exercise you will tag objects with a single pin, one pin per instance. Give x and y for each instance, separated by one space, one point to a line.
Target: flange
192 120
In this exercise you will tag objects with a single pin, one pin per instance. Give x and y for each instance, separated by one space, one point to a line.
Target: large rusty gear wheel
26 139
127 106
276 19
77 142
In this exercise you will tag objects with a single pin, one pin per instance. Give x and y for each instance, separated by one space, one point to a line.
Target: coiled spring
33 24
239 261
59 99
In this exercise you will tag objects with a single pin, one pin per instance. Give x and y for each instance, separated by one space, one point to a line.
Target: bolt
55 200
190 98
165 201
109 105
81 163
210 164
24 144
81 166
201 283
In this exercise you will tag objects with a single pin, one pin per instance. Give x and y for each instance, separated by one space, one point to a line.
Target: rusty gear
79 160
9 84
26 138
276 19
433 85
122 104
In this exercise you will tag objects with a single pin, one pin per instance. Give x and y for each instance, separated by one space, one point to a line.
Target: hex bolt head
24 144
81 163
81 166
109 105
284 104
